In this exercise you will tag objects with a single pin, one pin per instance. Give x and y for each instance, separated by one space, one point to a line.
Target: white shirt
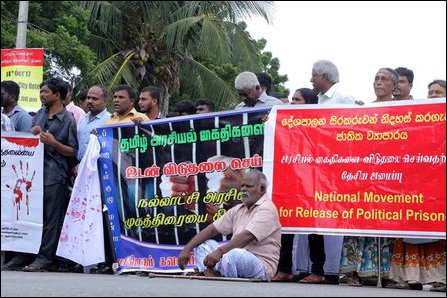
335 95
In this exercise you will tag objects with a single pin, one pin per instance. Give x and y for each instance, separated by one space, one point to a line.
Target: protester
416 262
282 97
6 123
284 274
82 96
57 130
359 260
124 98
385 82
265 81
123 103
304 96
253 251
404 84
184 107
251 94
96 102
20 119
436 89
325 80
148 102
76 111
204 106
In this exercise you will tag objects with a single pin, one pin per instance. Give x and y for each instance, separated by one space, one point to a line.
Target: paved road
82 285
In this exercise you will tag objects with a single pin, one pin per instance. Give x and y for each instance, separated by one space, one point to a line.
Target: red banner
373 170
22 57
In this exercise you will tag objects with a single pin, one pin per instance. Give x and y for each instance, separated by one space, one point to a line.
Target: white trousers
238 262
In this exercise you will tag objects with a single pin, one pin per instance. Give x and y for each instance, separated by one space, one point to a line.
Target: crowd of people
257 248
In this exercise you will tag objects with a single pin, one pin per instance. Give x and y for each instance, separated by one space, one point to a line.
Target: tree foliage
228 71
60 27
271 65
166 43
189 49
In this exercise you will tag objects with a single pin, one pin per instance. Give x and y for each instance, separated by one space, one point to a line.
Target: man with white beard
253 251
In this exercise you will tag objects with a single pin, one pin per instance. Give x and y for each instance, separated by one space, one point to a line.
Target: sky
359 38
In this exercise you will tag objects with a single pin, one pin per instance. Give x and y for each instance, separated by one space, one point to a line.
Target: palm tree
144 43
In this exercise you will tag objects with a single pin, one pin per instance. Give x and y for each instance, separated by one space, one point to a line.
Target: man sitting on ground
253 251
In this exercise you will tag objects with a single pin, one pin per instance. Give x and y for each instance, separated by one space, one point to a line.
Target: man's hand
36 130
212 259
47 138
265 118
183 258
137 120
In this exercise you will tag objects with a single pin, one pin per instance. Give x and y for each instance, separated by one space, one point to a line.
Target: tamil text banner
22 192
25 67
372 170
164 181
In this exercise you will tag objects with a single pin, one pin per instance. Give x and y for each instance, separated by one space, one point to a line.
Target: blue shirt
21 119
86 126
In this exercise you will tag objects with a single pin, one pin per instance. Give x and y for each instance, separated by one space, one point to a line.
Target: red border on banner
375 170
22 57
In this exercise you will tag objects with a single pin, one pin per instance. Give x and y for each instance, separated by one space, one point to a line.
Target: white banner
22 192
82 235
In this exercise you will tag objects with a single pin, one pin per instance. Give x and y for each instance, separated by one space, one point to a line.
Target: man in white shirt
325 80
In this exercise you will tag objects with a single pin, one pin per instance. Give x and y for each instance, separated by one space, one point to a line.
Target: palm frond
106 17
113 71
214 41
122 73
202 82
244 49
237 11
175 34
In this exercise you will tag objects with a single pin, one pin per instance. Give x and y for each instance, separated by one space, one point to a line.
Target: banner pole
379 275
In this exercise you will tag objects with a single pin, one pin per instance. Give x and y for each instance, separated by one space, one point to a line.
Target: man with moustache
436 89
123 103
385 82
404 84
96 102
57 130
148 102
253 251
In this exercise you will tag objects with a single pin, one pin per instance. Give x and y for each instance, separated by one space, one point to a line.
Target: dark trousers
109 247
54 198
285 256
317 254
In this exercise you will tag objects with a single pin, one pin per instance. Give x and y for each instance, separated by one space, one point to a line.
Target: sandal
313 279
439 287
35 268
354 281
283 277
343 280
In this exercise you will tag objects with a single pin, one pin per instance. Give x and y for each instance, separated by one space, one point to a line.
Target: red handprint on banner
22 181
